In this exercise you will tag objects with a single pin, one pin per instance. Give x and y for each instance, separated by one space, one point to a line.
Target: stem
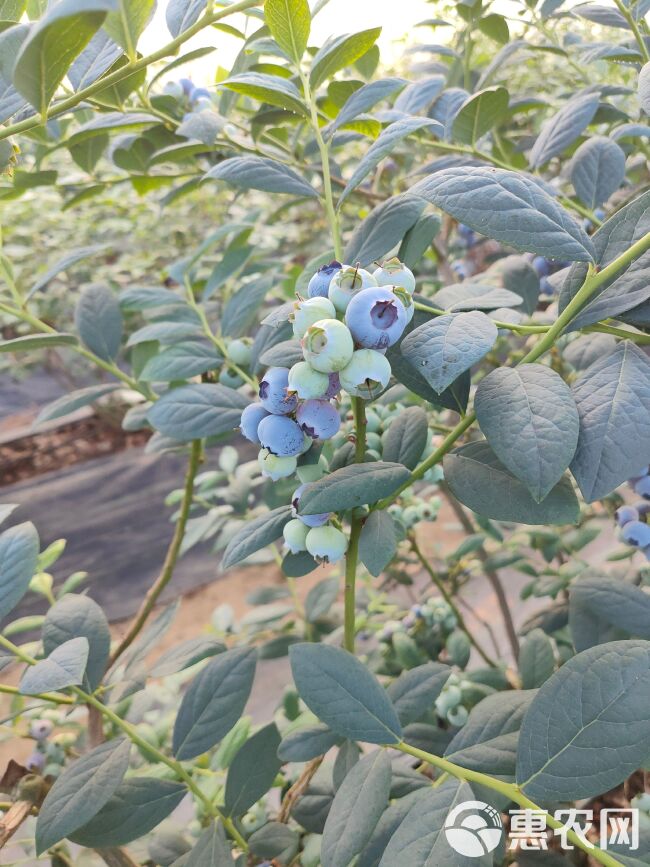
511 791
349 597
171 557
631 20
128 69
449 600
54 697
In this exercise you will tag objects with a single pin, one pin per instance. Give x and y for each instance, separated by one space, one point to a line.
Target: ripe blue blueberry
642 487
250 420
346 283
307 520
600 214
395 273
462 269
326 544
318 419
327 345
307 382
542 266
281 436
636 533
546 287
468 235
319 284
367 374
273 391
307 312
376 318
35 762
187 84
295 535
274 467
200 93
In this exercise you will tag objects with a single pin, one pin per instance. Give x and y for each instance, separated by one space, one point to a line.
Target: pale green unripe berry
307 382
275 467
295 535
326 544
311 472
457 716
407 301
410 516
367 374
373 441
230 379
395 273
346 283
307 312
240 351
328 346
373 422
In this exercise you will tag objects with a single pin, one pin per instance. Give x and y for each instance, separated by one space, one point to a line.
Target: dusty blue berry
626 514
636 533
307 520
281 436
250 419
376 318
319 284
318 419
273 391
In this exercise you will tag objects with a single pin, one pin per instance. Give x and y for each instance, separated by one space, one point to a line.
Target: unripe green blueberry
326 544
366 375
305 313
457 716
346 283
239 352
295 535
327 345
373 441
307 382
395 273
407 300
372 454
410 516
311 472
274 467
230 379
373 422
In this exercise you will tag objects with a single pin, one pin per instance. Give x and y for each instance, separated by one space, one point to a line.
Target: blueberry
395 273
542 266
307 520
636 533
467 235
229 378
326 544
334 386
462 269
295 535
346 283
642 487
546 287
318 419
239 352
250 419
457 716
328 345
40 729
320 283
187 84
626 514
273 391
367 374
274 467
600 214
376 318
200 93
174 89
36 762
307 312
407 300
307 382
281 436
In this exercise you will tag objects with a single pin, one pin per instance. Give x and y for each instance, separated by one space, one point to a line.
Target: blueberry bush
407 290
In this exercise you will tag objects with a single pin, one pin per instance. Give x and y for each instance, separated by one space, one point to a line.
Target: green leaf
564 127
184 655
474 296
75 616
356 809
421 839
165 332
340 52
406 437
261 173
414 692
214 702
597 169
530 420
604 609
18 560
385 145
252 771
588 728
275 840
419 239
352 486
496 27
81 791
289 22
389 822
211 848
64 667
268 88
536 659
181 361
644 88
377 542
58 37
613 400
480 113
98 320
125 25
320 599
508 207
306 744
343 693
196 411
72 402
134 809
488 741
478 479
181 14
255 534
12 10
444 347
362 99
383 229
37 341
114 120
62 265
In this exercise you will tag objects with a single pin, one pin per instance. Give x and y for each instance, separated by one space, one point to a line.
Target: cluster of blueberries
184 90
633 520
345 325
39 730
